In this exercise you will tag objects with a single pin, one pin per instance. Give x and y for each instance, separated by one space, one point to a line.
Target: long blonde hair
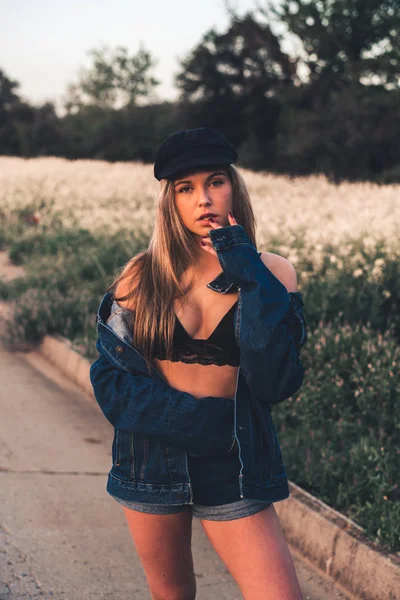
152 276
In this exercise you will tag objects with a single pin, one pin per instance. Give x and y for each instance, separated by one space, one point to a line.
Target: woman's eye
187 187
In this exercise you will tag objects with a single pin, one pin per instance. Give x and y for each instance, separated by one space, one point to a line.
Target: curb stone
330 541
58 351
338 547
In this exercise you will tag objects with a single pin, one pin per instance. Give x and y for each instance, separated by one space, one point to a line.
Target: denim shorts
215 487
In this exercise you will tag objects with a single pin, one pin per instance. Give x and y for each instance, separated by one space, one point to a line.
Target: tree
345 41
15 118
46 133
115 79
8 100
233 81
129 133
343 120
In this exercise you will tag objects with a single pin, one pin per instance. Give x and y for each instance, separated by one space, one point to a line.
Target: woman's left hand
206 240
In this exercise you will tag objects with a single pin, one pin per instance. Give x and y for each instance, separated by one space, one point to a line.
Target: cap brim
174 171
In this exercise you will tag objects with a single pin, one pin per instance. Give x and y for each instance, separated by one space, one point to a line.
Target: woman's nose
203 197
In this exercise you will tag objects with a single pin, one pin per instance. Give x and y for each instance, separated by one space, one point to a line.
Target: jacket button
119 349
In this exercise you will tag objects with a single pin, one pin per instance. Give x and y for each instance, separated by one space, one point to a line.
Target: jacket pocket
123 455
140 460
277 471
270 465
155 463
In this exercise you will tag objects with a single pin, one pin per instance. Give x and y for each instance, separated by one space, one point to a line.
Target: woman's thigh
163 544
256 553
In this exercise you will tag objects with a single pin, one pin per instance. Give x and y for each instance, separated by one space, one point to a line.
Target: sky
43 43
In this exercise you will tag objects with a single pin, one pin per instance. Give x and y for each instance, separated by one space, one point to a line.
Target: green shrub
66 275
340 435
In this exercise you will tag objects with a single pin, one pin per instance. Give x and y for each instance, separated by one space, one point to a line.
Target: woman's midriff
199 380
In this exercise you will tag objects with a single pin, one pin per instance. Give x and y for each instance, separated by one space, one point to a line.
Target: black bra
220 348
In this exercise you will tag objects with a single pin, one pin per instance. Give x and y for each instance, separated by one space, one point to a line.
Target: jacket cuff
239 260
229 236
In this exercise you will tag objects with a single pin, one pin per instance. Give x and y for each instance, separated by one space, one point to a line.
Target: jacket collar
221 283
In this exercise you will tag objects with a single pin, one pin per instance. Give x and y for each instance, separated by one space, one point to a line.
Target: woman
191 359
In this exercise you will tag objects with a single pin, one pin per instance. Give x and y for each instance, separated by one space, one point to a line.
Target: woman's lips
207 219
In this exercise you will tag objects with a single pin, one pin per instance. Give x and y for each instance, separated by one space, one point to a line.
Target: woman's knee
177 584
186 592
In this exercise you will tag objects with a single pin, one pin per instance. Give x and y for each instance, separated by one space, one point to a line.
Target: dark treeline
333 109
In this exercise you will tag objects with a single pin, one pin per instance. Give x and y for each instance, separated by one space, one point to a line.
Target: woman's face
200 192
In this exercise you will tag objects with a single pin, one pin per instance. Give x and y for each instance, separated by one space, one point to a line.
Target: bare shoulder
282 268
125 286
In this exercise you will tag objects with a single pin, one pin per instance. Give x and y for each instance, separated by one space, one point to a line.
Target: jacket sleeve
149 406
272 327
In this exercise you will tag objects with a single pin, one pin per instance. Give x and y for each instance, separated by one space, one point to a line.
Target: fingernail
231 215
211 219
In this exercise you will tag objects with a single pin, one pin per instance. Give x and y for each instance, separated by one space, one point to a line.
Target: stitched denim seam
233 443
130 483
132 449
117 448
145 459
167 463
222 245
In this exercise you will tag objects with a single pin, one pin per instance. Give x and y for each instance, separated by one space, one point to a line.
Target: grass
340 435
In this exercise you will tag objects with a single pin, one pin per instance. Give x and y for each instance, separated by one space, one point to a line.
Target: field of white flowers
71 224
121 195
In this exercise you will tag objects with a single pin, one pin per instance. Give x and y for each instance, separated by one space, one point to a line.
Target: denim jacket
156 425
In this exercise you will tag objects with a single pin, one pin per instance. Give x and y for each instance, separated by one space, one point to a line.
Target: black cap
192 148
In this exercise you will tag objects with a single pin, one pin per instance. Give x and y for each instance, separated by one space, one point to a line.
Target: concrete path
61 535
